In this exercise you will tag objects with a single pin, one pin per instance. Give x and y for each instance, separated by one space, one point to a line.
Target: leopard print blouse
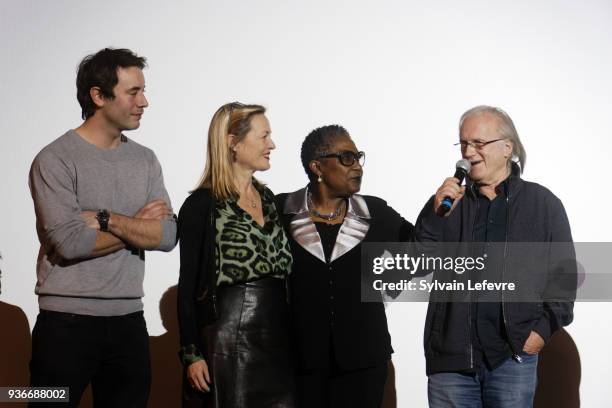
246 251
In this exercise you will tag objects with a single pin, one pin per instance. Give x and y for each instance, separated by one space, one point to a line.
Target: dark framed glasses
347 158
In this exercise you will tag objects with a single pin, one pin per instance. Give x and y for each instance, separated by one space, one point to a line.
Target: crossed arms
72 232
143 231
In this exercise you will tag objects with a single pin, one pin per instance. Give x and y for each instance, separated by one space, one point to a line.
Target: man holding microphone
485 354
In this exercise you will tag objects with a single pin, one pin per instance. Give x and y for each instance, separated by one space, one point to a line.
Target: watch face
102 218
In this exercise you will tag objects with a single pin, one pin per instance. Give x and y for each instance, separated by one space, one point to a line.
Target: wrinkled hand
534 343
450 188
154 210
198 376
90 219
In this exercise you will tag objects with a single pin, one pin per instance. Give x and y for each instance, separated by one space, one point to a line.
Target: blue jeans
511 385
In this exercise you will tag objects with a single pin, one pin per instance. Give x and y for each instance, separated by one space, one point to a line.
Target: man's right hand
451 189
154 210
198 376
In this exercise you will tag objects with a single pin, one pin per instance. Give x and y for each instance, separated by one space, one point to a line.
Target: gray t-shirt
71 175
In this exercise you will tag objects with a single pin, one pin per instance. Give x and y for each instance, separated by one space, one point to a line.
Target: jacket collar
303 230
512 184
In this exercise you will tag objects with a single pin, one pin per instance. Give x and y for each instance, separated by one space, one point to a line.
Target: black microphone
462 169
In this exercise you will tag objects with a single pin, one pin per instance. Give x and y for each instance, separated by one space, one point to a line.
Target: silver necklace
312 210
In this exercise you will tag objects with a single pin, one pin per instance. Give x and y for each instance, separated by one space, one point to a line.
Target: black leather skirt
249 349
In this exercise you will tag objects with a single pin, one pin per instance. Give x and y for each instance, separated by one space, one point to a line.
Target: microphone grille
464 165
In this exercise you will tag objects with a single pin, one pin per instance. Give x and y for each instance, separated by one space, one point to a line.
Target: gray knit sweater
71 175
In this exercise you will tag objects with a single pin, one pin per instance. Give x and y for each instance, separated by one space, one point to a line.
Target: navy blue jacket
535 215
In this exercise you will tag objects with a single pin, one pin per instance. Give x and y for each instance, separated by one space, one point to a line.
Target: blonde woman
232 305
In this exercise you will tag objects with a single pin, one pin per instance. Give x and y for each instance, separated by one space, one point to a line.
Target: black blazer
326 297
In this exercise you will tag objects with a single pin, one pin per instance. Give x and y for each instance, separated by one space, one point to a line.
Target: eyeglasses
347 158
476 144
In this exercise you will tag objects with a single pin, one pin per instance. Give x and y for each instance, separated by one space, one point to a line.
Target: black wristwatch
103 216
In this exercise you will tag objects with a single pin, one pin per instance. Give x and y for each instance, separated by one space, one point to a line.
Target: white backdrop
396 74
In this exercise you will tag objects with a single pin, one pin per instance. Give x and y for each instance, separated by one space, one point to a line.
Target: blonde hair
232 118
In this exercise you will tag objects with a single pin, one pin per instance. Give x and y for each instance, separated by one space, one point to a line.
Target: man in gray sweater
100 201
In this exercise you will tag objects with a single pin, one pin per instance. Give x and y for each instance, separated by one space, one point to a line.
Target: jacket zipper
504 314
470 303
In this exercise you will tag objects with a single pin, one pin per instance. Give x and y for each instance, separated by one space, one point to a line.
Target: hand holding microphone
451 191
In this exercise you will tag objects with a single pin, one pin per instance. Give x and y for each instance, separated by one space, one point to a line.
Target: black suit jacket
326 297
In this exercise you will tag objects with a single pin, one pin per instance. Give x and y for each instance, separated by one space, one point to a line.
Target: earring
319 179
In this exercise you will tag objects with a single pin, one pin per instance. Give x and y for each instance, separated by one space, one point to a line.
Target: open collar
303 230
511 185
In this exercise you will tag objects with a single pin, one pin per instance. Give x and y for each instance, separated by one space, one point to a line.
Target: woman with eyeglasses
343 345
235 258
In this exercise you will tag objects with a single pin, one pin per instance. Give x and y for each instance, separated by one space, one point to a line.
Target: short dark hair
319 142
100 70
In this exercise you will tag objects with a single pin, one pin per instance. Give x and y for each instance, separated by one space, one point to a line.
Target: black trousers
110 352
335 387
